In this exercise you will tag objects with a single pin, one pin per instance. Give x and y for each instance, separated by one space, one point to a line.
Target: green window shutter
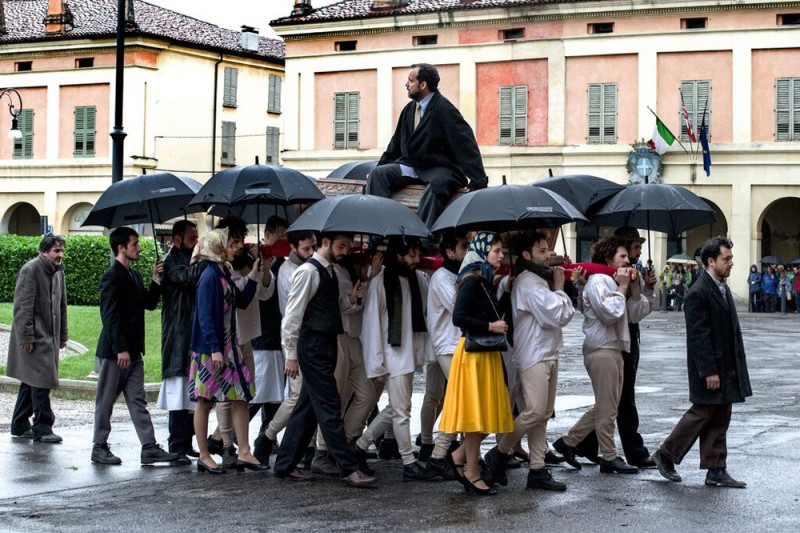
594 113
795 109
84 131
353 119
91 114
339 120
273 145
274 100
506 115
228 143
230 84
23 148
783 109
689 99
609 113
521 115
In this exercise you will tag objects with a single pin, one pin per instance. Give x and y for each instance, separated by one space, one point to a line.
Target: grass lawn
84 327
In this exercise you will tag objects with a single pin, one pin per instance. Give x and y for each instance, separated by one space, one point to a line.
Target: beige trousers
443 440
281 418
432 401
225 409
396 415
538 384
352 381
605 370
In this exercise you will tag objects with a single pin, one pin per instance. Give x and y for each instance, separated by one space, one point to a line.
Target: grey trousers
114 380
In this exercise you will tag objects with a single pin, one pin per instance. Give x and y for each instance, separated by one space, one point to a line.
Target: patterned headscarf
213 246
475 260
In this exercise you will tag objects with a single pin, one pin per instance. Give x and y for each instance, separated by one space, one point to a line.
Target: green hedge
86 257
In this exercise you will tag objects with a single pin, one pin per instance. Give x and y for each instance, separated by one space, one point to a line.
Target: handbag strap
490 301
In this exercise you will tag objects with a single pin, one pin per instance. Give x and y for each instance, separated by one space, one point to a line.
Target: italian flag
662 138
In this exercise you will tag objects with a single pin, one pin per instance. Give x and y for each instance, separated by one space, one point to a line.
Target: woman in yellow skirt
476 402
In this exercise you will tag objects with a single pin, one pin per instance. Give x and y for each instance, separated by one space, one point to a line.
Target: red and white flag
685 113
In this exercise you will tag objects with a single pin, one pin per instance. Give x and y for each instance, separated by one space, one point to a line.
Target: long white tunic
248 320
415 350
441 299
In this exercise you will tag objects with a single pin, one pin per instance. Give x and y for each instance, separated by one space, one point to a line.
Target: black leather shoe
241 466
229 457
27 434
496 464
644 463
417 472
215 446
49 438
101 454
191 452
154 453
389 449
202 467
543 479
470 486
183 460
361 458
425 451
323 465
358 480
262 449
552 458
665 467
568 452
617 466
442 469
719 477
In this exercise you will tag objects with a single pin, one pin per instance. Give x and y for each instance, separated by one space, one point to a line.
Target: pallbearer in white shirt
396 343
541 309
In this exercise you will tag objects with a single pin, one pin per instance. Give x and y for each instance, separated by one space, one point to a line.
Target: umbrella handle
153 227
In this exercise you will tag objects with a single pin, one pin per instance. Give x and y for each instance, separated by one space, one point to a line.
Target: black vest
322 314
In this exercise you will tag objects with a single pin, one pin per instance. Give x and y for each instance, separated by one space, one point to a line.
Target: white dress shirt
539 314
415 350
248 320
305 282
441 299
605 314
285 273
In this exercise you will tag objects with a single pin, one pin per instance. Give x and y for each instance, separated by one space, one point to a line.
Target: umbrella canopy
507 208
771 260
361 213
655 206
795 262
152 198
355 170
681 259
583 191
253 184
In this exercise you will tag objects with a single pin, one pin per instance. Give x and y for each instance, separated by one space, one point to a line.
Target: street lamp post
118 134
14 133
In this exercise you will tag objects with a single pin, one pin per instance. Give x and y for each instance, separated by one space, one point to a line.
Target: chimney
2 19
130 16
250 38
302 8
58 17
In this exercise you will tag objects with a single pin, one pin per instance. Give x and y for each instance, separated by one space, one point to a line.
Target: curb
77 389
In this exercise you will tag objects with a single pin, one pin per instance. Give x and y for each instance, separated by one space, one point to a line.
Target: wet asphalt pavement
55 487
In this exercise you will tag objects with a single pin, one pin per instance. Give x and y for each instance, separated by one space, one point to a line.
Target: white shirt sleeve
305 283
608 305
372 338
552 309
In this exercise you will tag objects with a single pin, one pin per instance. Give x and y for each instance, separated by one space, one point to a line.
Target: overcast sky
235 13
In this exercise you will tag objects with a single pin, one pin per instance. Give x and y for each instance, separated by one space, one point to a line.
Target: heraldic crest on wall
644 164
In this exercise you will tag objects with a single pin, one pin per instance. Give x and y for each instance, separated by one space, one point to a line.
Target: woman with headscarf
217 372
476 402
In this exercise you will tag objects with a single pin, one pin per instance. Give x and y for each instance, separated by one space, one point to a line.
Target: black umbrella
771 260
795 262
355 170
153 198
507 208
582 191
361 213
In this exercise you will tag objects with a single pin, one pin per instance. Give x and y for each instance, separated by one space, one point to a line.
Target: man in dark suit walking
432 144
717 371
120 348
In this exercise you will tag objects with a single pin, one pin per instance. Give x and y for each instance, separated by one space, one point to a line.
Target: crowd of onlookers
773 289
676 279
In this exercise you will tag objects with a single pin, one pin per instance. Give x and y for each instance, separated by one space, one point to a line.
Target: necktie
417 115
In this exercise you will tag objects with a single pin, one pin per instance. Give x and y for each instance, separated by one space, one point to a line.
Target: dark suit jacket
442 139
714 345
123 300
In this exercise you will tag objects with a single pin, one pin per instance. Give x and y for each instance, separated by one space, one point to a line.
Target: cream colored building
640 51
197 98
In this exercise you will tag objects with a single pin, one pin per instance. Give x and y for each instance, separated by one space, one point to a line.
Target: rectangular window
229 93
84 131
787 109
274 98
273 145
345 46
425 40
23 148
23 66
600 27
602 115
697 97
513 118
345 120
694 23
84 62
789 19
228 143
512 34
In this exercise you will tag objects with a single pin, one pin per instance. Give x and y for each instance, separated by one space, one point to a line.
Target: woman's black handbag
487 342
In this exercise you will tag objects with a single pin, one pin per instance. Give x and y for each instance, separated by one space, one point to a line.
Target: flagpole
685 119
702 123
676 138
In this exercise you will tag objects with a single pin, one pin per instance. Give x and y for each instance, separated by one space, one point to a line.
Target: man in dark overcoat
432 144
38 333
718 374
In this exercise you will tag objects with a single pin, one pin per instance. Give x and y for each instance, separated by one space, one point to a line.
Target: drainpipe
214 118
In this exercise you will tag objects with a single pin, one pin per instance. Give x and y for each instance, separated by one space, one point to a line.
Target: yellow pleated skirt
477 396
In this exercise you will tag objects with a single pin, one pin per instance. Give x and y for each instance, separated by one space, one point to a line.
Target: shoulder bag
486 342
